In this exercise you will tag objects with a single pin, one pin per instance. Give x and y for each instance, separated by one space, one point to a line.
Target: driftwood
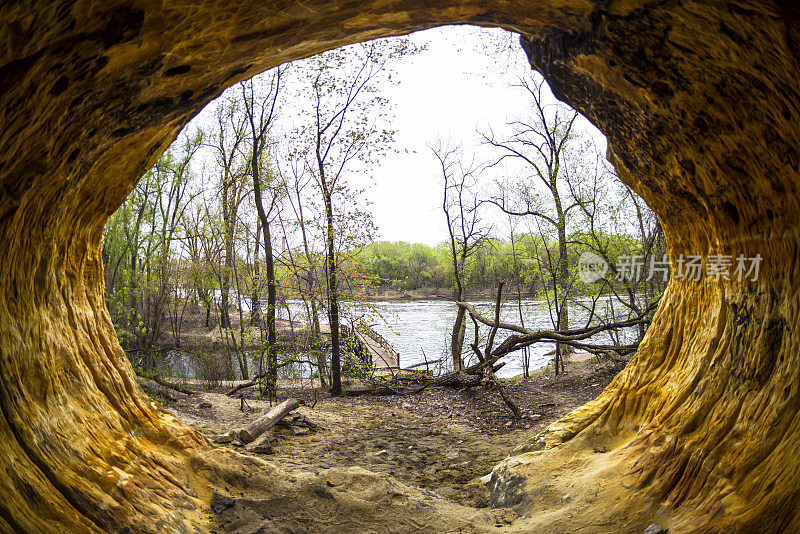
487 363
575 337
268 420
158 379
456 380
254 381
421 364
296 422
525 337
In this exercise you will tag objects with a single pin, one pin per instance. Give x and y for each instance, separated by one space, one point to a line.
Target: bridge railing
380 340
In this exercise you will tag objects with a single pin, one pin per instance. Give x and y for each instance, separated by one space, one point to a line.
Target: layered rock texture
701 105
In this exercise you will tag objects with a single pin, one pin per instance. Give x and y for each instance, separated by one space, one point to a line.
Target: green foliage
404 266
188 233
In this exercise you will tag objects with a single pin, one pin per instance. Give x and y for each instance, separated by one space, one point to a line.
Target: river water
419 330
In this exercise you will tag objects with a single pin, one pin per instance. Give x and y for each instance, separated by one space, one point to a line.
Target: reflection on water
414 326
219 365
419 330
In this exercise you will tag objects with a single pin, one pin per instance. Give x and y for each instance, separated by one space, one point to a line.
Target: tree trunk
132 314
225 269
272 338
269 261
562 299
255 305
224 304
322 357
457 338
333 299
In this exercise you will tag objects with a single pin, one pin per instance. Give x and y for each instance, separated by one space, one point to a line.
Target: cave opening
188 296
155 244
698 432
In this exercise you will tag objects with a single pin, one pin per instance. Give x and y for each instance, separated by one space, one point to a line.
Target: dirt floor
441 440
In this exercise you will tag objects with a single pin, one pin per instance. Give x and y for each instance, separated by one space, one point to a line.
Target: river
420 329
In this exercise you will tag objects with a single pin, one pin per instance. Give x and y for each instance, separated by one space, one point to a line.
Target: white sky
462 81
447 91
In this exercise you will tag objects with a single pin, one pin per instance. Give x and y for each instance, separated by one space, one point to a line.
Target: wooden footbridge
380 351
376 349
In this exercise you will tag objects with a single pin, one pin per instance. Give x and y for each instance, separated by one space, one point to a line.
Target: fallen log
467 378
158 379
243 385
268 420
574 337
253 381
421 364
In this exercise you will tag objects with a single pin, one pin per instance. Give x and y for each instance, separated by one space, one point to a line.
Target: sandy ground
426 452
440 441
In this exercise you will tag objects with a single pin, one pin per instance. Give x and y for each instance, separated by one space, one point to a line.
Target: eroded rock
701 107
220 502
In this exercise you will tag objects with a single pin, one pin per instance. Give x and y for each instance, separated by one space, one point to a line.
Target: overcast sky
451 89
463 81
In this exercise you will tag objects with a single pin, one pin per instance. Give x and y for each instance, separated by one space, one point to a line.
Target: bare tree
542 142
199 271
341 131
260 110
460 206
303 265
620 226
225 140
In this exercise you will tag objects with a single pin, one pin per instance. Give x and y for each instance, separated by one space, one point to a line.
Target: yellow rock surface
701 105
